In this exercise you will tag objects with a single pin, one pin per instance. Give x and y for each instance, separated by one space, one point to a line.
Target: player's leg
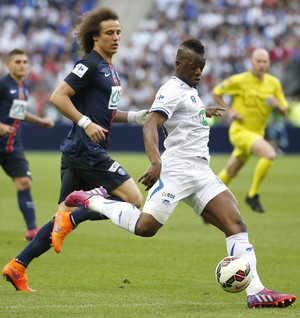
262 149
26 205
82 174
66 219
123 214
239 156
222 211
126 216
233 166
162 199
17 167
15 270
127 191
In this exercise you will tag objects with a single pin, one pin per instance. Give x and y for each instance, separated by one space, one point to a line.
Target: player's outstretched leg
123 214
269 298
80 198
62 220
15 273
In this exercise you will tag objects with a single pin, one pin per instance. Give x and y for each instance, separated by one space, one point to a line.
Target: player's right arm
61 99
151 141
5 129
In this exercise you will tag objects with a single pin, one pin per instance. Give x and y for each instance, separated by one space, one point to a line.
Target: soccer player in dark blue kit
14 93
88 96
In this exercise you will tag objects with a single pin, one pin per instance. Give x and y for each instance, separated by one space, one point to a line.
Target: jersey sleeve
82 74
230 86
166 101
279 94
1 88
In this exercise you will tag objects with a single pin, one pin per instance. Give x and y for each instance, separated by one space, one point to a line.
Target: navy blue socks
26 206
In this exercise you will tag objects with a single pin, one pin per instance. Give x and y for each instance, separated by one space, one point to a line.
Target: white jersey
186 129
185 173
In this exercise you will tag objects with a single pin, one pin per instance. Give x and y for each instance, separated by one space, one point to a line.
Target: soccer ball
233 274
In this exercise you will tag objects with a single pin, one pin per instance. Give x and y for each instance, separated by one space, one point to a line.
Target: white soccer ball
233 274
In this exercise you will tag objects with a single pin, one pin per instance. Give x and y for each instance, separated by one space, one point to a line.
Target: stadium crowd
230 30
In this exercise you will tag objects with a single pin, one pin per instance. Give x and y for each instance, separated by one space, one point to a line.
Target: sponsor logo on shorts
165 201
114 167
168 195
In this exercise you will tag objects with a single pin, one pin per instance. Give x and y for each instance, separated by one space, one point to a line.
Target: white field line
157 304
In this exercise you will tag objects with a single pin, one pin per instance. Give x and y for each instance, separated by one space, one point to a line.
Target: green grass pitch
103 271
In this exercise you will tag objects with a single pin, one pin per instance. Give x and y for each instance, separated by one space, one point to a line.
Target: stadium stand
229 29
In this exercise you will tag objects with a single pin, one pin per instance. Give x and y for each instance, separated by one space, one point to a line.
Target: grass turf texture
103 271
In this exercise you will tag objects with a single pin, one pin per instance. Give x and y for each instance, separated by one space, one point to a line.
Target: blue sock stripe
232 250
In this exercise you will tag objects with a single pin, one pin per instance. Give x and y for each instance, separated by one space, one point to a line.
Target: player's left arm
39 121
279 102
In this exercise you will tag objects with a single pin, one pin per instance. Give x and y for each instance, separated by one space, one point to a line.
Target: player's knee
237 226
138 200
232 172
147 226
145 231
23 183
271 156
241 225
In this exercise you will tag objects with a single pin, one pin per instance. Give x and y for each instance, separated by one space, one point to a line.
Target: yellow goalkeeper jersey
250 98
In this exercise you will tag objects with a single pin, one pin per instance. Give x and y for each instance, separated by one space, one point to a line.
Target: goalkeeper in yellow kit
254 95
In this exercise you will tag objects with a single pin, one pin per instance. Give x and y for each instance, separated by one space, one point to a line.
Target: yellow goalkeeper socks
223 175
260 172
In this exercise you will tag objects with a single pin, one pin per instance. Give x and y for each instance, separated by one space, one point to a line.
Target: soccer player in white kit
183 172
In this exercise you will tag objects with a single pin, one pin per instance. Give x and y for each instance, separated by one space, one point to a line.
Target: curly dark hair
90 25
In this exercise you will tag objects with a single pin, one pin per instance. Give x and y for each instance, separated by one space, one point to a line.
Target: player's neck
17 79
106 56
259 76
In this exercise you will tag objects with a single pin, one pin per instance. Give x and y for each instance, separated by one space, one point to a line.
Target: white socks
238 245
122 214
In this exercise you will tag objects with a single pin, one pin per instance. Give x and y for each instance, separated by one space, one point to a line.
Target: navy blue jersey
10 93
97 92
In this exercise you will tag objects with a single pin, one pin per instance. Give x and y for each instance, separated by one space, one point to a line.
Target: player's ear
177 65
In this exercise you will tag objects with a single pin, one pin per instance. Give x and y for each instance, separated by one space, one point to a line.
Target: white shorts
190 180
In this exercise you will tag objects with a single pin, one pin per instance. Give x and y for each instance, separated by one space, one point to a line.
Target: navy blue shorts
86 173
15 164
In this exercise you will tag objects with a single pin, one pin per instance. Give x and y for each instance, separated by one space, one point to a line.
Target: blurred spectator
229 29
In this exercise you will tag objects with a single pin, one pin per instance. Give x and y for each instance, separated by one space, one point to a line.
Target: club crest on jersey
114 97
160 97
202 116
80 70
193 99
